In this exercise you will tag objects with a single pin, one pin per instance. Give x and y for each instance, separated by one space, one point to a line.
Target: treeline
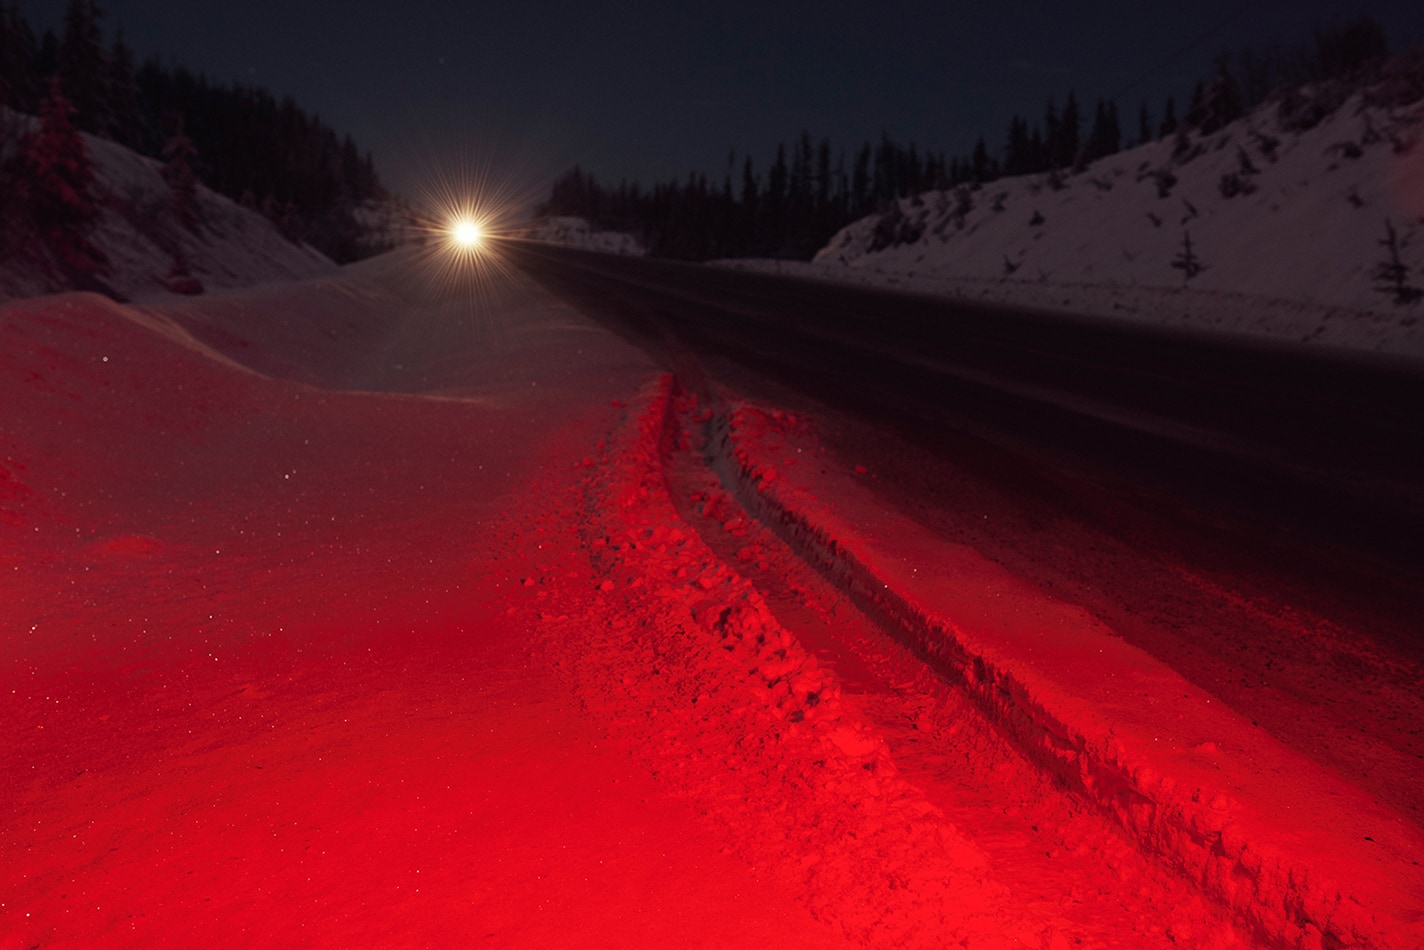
801 200
266 153
811 189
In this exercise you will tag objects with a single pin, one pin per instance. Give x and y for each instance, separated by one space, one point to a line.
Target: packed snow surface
370 608
578 232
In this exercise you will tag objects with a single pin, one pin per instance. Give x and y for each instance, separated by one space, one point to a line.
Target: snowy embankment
139 233
577 232
281 621
1286 225
1311 861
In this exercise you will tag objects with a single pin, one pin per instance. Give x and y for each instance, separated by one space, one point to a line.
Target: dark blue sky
628 89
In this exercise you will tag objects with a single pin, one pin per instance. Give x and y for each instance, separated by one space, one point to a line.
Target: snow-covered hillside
577 232
1286 212
139 232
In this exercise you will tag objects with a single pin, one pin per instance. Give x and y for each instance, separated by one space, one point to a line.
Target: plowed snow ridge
1300 854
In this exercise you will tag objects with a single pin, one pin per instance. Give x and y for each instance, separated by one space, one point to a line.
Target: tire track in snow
1057 854
1257 827
681 660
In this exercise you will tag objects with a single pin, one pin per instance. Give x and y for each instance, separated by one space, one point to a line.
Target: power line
1196 42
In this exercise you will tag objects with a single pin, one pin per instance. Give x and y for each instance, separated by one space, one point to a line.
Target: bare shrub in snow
894 228
1241 181
1244 165
963 204
1166 180
1303 108
1392 274
1234 184
1186 260
1184 147
1268 144
1346 149
1369 135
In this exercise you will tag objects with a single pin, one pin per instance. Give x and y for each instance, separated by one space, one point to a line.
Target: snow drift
578 232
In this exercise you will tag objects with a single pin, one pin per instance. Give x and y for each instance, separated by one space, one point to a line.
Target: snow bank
684 655
1285 224
1308 862
577 232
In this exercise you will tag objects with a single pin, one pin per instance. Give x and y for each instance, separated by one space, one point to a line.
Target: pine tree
17 61
751 191
46 56
823 176
83 66
1218 102
981 165
179 156
1106 135
1071 133
1018 152
1052 135
1343 50
861 199
1169 119
124 113
56 178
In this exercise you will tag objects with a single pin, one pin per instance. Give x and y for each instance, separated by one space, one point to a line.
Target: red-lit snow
358 613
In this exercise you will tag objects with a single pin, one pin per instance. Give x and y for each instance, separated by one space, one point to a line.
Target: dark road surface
1315 442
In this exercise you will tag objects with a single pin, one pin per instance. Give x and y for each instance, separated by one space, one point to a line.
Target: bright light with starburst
467 234
460 228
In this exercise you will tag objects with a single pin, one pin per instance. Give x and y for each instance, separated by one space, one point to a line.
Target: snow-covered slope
577 232
140 235
1285 221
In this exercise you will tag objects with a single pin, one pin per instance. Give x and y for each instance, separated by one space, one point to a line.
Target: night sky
531 87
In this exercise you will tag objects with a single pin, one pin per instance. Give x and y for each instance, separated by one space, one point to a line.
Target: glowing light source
459 229
466 233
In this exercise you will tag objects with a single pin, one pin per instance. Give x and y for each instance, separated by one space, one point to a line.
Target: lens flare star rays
462 221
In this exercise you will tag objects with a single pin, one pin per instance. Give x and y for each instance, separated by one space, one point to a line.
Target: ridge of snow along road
1304 857
723 703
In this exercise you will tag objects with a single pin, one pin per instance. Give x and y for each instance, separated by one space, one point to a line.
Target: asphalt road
1322 444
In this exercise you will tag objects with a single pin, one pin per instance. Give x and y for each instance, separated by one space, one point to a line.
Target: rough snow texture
1292 253
577 232
722 702
139 232
1311 863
